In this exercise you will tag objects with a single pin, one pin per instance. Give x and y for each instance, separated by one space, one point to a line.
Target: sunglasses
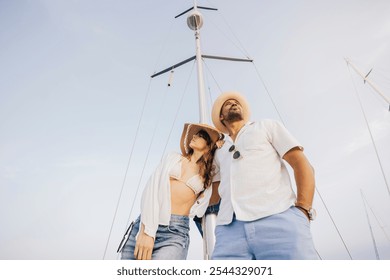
196 136
236 154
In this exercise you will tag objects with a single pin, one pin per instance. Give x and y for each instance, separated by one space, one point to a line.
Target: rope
136 137
369 130
377 220
178 109
369 224
148 152
268 93
163 46
211 73
239 46
322 200
127 169
334 224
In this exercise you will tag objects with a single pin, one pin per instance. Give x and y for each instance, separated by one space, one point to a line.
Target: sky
82 124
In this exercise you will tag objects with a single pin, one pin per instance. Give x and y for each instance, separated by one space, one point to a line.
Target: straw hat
216 111
190 129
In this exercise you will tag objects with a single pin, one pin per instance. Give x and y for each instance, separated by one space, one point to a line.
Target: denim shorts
171 242
283 236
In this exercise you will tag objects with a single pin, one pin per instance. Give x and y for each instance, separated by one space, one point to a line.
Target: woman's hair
206 168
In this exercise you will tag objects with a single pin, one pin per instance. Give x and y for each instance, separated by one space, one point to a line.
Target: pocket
298 212
254 140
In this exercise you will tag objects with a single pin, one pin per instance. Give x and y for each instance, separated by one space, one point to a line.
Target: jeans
283 236
213 209
171 242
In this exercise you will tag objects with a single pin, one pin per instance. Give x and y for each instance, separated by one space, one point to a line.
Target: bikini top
195 182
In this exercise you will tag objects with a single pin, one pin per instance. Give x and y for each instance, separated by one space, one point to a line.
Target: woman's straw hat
190 129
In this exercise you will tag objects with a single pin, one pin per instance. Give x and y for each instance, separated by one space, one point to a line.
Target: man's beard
233 117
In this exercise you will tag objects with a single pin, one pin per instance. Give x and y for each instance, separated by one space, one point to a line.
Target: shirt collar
239 133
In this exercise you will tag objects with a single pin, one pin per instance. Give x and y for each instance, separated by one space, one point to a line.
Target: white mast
195 22
365 78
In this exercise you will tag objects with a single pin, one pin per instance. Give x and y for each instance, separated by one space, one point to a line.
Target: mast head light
195 20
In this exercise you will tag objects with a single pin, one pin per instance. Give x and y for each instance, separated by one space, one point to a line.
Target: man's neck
234 128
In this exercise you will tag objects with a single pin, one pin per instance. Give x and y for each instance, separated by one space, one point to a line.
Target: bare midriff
182 198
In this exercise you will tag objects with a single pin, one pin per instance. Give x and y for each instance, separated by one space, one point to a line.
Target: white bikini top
195 182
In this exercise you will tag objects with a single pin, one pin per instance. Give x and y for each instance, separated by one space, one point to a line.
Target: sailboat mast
365 78
195 22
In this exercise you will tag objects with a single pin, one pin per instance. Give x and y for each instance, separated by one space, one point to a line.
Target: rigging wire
211 73
334 223
281 119
127 168
370 132
148 152
178 109
369 224
378 221
136 137
152 140
208 84
166 144
268 93
322 200
239 45
163 46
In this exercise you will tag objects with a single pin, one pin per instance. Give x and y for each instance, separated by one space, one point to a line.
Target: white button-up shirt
156 197
256 184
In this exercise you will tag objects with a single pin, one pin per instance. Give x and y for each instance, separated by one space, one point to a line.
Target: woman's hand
220 143
143 246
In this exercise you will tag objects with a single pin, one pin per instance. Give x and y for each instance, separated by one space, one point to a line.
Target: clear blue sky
74 76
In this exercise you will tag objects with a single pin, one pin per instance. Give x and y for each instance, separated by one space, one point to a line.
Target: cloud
380 129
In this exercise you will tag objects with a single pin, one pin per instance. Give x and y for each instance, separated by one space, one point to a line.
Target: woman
178 189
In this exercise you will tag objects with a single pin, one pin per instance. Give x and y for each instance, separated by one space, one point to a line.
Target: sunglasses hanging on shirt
236 154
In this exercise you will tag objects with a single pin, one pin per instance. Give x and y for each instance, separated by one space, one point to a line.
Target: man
260 215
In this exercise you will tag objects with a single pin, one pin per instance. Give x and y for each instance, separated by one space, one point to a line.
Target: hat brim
190 129
217 106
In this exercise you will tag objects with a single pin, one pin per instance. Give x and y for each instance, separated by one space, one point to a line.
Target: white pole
203 112
209 221
368 81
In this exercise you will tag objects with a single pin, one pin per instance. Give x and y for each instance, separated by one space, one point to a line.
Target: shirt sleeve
150 203
201 204
280 138
217 174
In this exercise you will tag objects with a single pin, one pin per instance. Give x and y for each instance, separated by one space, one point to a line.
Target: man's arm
304 176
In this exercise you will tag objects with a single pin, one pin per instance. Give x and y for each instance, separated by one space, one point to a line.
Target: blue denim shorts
283 236
171 242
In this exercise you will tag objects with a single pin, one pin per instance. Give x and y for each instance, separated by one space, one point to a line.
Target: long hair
205 162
